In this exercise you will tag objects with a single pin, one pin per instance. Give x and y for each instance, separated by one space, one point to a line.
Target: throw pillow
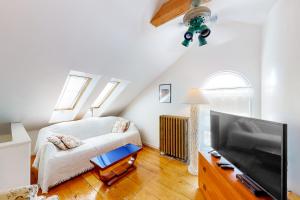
70 141
57 142
21 193
120 126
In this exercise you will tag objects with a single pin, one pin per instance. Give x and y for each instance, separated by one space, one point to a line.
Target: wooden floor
156 177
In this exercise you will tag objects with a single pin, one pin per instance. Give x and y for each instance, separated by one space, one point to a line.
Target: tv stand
217 183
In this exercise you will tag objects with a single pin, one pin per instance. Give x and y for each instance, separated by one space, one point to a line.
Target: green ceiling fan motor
195 19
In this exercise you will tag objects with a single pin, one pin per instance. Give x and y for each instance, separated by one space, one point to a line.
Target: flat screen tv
256 147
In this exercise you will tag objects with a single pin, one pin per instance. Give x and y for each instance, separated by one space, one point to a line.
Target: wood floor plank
141 176
162 192
155 178
177 184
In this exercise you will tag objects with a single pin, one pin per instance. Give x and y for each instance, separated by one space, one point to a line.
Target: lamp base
193 141
192 170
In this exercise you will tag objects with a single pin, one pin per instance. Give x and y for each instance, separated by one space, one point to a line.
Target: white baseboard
150 145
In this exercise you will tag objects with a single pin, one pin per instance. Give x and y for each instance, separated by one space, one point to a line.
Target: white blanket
55 166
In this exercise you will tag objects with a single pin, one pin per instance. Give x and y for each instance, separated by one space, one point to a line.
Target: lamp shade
195 96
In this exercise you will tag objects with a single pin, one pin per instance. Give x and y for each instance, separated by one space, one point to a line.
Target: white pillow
65 142
70 141
57 142
21 193
120 126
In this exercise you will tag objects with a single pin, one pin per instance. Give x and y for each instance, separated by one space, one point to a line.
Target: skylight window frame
117 83
79 95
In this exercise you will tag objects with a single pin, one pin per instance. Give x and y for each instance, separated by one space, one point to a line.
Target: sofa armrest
42 138
134 134
45 152
44 155
49 150
132 127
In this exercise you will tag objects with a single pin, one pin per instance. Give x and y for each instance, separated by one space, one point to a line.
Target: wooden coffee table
111 158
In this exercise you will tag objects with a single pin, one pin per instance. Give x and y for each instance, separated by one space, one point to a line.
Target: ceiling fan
232 20
196 15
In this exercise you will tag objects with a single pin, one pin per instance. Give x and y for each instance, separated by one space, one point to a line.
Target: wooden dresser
220 184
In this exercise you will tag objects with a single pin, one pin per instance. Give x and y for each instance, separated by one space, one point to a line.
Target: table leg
103 177
97 172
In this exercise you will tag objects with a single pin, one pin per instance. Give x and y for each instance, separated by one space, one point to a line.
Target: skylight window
106 92
73 89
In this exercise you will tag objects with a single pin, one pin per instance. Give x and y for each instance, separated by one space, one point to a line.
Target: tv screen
255 147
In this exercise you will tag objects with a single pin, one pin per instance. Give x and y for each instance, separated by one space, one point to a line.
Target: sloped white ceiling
41 41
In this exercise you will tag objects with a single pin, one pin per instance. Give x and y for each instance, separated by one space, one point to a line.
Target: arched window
228 92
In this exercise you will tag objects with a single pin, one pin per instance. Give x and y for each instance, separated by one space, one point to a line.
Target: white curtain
228 100
232 100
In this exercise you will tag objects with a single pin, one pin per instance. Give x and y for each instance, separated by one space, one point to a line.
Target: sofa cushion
70 141
57 142
120 126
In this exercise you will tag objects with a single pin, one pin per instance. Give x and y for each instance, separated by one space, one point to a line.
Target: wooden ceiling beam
170 10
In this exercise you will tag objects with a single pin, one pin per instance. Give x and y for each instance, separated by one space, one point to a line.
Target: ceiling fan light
202 41
186 43
204 31
188 35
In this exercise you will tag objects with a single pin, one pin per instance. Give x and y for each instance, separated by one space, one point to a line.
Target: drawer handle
204 187
204 169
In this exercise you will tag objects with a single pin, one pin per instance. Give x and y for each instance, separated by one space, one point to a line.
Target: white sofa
55 166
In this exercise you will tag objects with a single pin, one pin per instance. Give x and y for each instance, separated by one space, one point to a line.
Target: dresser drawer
214 182
208 182
211 190
205 171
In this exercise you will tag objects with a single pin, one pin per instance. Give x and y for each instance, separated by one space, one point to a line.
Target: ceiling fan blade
170 10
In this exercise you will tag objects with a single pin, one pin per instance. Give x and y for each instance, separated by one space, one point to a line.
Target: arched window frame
205 117
247 85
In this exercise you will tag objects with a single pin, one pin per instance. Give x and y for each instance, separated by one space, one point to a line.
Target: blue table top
108 159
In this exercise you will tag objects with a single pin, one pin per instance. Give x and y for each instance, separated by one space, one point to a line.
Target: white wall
241 54
33 136
280 78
